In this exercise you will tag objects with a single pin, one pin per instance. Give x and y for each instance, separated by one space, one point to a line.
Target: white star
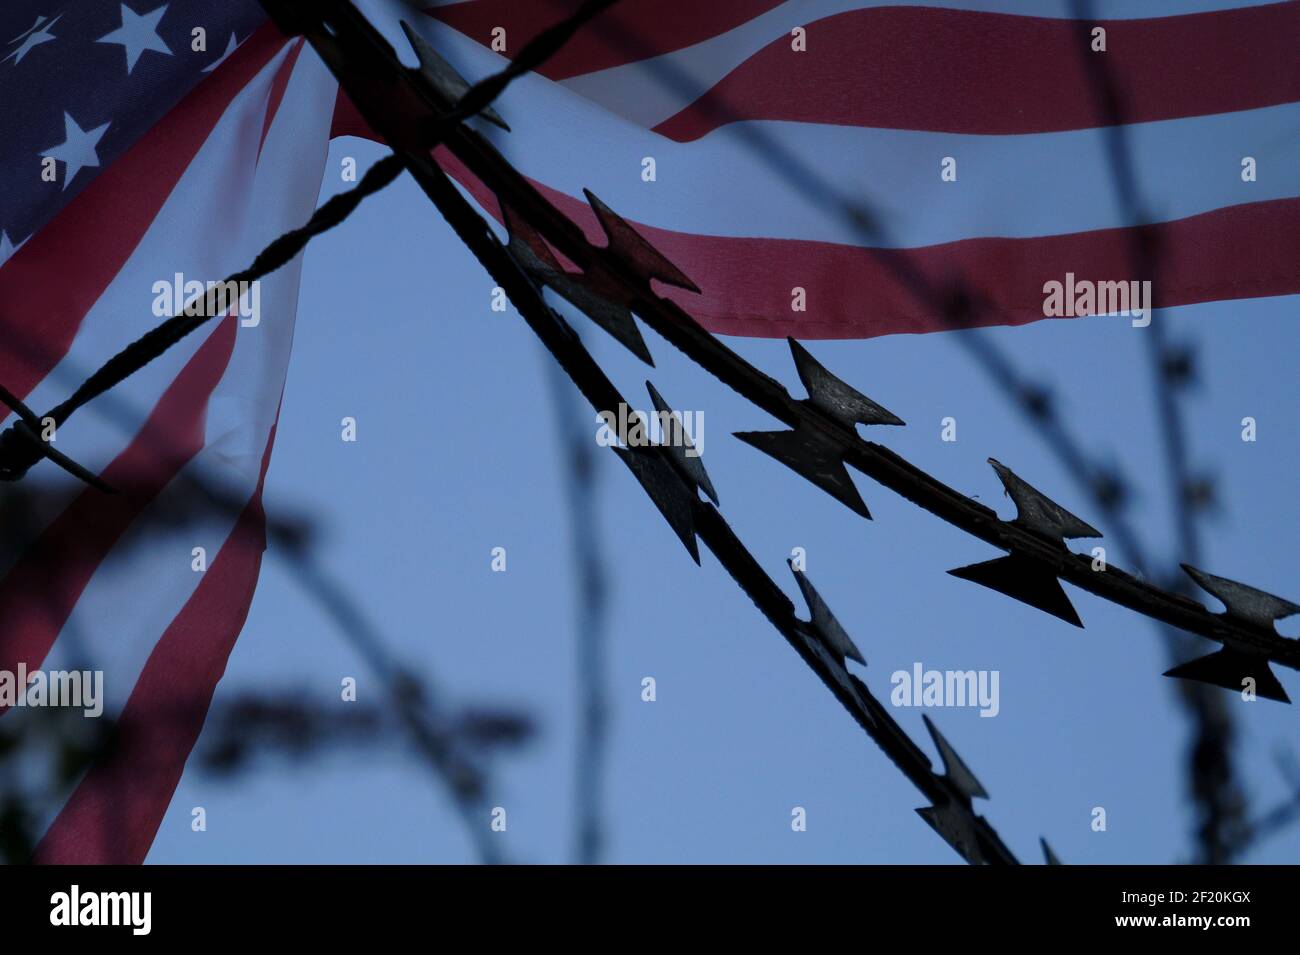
38 34
137 34
77 149
31 29
7 248
230 48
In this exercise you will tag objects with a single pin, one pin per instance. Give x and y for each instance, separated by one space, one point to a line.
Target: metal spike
828 629
815 458
1243 601
1049 857
1024 580
1037 512
609 315
954 825
691 465
534 255
634 250
666 490
954 767
1228 668
854 688
838 399
442 77
528 242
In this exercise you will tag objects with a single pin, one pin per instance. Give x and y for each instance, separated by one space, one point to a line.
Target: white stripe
650 91
153 566
1011 186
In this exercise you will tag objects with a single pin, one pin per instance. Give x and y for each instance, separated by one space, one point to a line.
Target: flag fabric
765 119
136 162
147 144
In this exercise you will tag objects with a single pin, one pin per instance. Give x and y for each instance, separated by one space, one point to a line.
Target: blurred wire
444 749
590 600
1220 800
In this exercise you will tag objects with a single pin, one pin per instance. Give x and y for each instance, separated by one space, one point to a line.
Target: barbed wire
1105 485
617 276
1229 670
26 441
615 281
673 486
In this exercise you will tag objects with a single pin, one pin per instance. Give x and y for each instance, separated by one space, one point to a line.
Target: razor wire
673 481
954 307
629 337
950 793
614 282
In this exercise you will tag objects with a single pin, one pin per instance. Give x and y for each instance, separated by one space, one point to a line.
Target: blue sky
457 453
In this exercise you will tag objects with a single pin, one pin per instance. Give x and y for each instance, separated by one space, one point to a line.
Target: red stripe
1243 251
114 813
964 72
59 274
348 121
39 592
631 30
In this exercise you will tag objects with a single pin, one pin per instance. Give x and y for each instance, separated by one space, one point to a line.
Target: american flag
170 156
762 138
183 136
